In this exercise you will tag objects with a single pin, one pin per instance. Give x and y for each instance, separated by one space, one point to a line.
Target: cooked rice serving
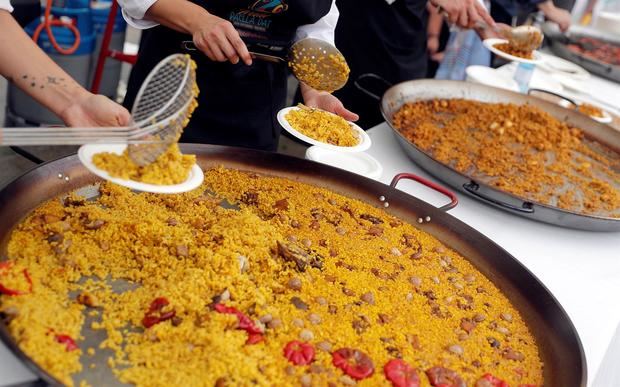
298 262
322 126
171 167
519 149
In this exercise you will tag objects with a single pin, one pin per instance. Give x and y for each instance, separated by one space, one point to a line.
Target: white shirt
6 5
324 28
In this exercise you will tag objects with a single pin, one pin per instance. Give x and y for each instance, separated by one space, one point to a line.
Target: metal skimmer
161 110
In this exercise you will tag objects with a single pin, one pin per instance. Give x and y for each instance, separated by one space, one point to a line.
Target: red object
453 199
48 22
255 334
67 341
444 377
401 374
488 380
254 338
299 353
353 362
105 51
155 315
5 266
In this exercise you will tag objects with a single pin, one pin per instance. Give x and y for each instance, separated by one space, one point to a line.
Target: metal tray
559 344
558 43
411 91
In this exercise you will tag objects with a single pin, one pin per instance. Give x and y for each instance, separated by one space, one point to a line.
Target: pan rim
395 131
397 197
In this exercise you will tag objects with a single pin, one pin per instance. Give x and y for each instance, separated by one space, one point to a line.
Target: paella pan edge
549 323
418 90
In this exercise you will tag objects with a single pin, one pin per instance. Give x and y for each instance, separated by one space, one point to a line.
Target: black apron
237 104
387 40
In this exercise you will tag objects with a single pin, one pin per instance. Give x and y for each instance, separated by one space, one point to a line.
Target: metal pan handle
368 92
472 188
453 199
529 92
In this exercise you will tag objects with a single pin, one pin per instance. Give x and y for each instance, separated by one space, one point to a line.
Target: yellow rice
189 249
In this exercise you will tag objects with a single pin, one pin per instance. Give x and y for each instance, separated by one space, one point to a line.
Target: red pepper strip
488 380
243 323
299 353
67 341
154 315
353 362
254 338
444 377
158 304
6 265
401 374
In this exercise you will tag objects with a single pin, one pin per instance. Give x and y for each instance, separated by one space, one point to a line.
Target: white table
581 269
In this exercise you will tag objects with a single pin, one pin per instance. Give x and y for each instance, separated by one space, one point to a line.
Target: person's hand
438 56
561 17
91 110
219 40
432 44
325 101
464 13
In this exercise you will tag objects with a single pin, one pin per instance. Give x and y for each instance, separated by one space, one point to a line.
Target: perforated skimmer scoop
162 107
314 62
524 38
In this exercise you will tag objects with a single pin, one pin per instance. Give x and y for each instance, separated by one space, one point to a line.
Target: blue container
99 12
65 38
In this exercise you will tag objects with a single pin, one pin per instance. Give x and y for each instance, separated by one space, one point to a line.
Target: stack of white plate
352 159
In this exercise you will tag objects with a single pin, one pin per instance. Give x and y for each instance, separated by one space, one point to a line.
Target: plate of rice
323 129
171 173
500 47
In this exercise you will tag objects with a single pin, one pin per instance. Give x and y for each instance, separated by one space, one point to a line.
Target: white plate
607 118
363 145
490 44
360 163
554 64
491 77
86 153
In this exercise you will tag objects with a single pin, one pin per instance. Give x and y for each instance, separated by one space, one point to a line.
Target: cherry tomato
488 380
401 374
353 362
299 353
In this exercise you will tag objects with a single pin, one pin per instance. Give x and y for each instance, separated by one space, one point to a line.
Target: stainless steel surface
558 43
559 344
411 91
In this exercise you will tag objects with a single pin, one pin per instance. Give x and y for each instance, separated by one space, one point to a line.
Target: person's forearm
179 15
30 69
435 21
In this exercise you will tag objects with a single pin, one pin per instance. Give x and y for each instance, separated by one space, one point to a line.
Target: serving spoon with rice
314 62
